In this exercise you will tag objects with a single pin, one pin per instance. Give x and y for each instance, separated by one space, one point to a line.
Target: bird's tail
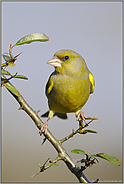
59 115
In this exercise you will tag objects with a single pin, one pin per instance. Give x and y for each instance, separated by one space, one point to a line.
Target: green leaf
11 64
6 57
5 72
12 89
52 164
91 131
2 65
85 131
32 37
20 77
101 155
78 151
109 158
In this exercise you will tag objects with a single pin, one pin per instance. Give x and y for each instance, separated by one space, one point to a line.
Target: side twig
80 130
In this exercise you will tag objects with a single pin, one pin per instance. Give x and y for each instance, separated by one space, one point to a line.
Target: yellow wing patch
49 86
92 82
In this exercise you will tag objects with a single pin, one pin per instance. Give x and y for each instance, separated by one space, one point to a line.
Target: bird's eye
66 57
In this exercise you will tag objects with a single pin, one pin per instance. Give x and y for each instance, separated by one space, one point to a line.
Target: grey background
94 30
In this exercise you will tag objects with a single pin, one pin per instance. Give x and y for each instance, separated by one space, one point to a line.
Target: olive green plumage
70 85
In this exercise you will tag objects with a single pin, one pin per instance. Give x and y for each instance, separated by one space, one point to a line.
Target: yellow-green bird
69 86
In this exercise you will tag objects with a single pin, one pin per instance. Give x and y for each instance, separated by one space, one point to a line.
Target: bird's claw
44 128
81 116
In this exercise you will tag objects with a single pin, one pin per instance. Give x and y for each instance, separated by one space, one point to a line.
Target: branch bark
62 154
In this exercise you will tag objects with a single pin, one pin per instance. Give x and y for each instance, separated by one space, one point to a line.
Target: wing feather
49 86
92 82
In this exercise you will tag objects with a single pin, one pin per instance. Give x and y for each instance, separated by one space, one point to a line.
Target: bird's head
68 62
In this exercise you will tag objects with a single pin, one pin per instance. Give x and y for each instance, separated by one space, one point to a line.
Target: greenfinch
68 87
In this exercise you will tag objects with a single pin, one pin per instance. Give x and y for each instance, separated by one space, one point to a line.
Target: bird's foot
81 116
44 128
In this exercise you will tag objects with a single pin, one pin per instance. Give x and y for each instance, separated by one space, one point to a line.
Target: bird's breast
68 94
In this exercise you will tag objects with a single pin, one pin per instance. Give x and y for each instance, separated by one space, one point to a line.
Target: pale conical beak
55 62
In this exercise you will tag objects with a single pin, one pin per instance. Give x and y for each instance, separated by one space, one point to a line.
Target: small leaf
11 64
78 151
91 131
20 77
52 164
6 57
85 131
32 37
101 155
5 72
82 152
109 158
12 89
2 65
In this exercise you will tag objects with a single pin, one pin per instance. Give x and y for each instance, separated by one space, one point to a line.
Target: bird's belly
69 97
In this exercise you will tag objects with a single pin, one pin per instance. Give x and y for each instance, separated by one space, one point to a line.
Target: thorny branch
62 154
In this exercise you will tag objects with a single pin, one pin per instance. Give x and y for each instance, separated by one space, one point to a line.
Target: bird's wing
92 82
49 86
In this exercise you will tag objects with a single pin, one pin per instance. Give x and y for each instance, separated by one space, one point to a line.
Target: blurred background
94 30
